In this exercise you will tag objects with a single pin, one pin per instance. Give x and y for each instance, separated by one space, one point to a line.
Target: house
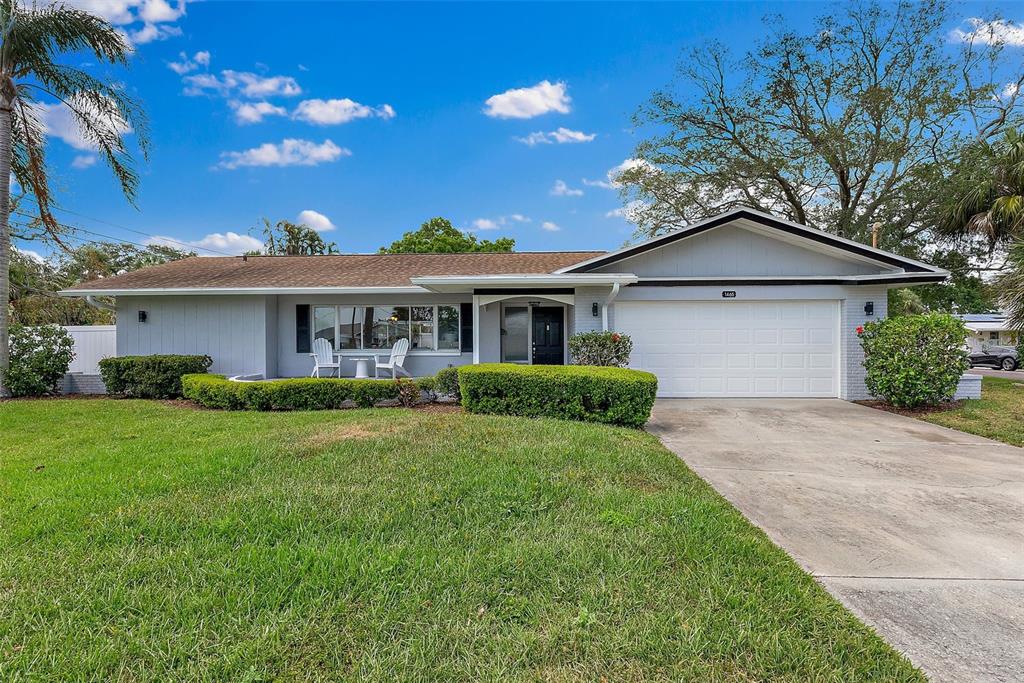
990 328
743 304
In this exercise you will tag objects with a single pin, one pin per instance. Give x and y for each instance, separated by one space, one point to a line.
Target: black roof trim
757 218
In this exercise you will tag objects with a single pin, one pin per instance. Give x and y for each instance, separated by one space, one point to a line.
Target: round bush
40 357
446 382
610 349
914 360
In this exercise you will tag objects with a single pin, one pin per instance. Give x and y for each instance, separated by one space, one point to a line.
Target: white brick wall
852 315
585 299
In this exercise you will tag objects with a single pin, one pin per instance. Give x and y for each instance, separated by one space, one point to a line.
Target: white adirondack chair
323 357
394 364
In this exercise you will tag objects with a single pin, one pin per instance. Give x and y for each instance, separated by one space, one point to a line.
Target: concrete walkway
1017 374
918 529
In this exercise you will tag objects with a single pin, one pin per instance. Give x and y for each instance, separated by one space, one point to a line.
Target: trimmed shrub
446 382
610 349
305 393
914 360
571 392
40 357
150 376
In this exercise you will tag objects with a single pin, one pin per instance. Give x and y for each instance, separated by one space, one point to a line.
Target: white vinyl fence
92 342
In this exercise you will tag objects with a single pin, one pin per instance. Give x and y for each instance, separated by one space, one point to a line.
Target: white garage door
735 348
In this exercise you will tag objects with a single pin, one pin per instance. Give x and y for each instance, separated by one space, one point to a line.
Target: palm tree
987 198
1011 288
32 38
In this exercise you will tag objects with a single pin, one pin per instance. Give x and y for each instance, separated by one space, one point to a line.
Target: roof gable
772 227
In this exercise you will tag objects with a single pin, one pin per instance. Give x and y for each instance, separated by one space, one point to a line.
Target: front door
548 341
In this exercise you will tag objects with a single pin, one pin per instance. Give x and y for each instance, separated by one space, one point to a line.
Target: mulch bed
911 412
439 407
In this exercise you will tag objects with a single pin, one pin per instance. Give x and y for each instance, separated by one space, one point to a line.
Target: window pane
448 327
515 336
350 319
422 327
387 325
323 323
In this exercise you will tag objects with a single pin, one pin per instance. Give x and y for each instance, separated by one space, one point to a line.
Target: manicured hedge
150 376
307 393
574 392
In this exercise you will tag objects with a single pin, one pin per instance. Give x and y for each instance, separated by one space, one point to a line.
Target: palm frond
28 162
1011 286
45 30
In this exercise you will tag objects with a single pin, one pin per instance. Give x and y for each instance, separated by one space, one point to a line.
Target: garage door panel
723 349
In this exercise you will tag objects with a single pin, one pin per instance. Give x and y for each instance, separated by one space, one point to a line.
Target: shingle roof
357 270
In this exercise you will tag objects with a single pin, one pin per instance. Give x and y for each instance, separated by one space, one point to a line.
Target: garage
735 348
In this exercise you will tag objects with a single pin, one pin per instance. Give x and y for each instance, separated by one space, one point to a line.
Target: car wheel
1009 364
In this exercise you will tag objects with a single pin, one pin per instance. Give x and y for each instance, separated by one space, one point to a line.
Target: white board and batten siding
736 348
93 343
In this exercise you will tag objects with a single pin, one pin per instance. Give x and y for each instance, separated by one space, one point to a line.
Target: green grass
145 541
998 414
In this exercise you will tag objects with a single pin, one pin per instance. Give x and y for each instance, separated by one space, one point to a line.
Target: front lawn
999 414
149 541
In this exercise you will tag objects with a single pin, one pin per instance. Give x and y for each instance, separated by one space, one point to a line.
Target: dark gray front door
548 336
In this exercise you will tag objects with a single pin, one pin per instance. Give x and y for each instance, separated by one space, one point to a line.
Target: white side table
362 369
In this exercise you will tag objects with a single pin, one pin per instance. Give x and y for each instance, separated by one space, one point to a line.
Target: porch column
604 307
476 329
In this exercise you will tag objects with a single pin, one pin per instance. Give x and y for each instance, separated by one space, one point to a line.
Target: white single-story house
743 304
990 328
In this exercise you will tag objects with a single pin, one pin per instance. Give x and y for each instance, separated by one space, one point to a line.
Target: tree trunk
5 241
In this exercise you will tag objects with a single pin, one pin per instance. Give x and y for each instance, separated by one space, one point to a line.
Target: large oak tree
860 121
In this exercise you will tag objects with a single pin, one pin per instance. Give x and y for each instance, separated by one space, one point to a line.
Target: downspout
102 305
607 302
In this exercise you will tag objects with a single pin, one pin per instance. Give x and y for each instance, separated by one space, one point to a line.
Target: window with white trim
434 327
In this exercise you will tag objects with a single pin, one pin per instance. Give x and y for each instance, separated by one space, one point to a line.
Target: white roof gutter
453 283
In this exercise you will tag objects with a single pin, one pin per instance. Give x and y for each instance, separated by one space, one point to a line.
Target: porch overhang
527 283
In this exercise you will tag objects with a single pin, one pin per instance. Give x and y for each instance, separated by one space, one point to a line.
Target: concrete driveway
918 529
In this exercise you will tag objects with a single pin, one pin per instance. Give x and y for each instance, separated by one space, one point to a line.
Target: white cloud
150 32
254 112
627 212
290 152
160 11
331 112
525 103
229 242
315 220
157 17
560 136
34 255
1009 90
245 83
997 31
485 224
612 182
549 226
500 221
58 122
560 189
83 161
186 65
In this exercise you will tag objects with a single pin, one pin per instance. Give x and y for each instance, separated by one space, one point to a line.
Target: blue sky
395 113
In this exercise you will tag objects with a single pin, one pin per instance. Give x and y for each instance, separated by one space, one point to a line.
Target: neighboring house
990 328
743 304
